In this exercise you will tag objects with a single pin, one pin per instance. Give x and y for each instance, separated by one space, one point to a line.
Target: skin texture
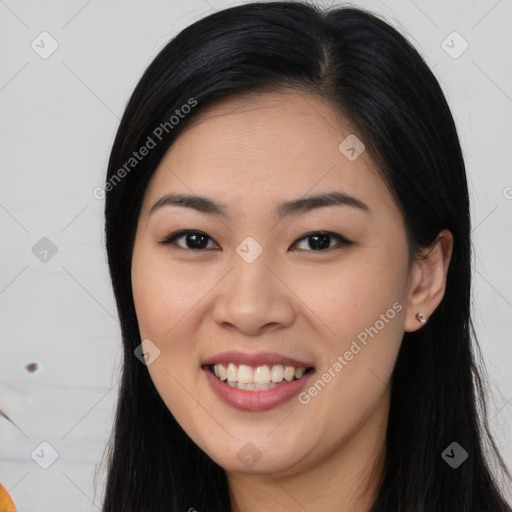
252 153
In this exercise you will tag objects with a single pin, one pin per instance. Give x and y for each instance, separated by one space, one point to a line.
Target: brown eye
321 240
193 240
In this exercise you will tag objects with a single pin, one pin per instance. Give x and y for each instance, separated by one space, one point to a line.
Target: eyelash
179 234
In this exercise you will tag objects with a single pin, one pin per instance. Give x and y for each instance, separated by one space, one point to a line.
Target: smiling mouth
258 378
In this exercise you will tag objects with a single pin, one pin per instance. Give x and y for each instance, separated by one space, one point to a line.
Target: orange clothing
6 503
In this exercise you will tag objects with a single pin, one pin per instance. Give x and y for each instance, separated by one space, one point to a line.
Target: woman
288 235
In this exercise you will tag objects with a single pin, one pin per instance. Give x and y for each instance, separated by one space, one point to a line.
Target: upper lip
257 359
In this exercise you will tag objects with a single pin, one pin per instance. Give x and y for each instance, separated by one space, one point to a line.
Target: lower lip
247 400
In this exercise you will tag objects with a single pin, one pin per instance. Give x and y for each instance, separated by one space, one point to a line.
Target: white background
58 120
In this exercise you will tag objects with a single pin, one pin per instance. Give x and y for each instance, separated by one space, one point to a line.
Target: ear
428 280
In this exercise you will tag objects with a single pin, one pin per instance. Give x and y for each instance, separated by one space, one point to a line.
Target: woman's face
263 290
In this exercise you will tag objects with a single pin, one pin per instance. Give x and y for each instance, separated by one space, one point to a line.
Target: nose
254 298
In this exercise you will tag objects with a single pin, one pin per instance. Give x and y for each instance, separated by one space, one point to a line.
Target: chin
258 457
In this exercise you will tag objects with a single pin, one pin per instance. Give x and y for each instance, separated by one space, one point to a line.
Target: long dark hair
374 78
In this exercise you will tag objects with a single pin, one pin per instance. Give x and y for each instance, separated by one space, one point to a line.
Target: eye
320 240
198 240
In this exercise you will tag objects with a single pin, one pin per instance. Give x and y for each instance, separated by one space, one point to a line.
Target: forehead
263 148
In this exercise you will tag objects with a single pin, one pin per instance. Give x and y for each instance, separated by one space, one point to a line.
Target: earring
420 318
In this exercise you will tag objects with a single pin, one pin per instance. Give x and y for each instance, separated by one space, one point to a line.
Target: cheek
362 303
163 295
164 299
351 297
363 306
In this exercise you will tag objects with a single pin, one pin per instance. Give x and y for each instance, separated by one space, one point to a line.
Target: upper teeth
259 375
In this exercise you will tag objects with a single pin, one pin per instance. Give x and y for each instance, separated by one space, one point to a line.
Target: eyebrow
292 207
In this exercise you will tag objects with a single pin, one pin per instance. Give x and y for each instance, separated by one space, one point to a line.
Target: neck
348 480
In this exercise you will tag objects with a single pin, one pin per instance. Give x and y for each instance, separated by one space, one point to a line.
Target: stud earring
420 318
